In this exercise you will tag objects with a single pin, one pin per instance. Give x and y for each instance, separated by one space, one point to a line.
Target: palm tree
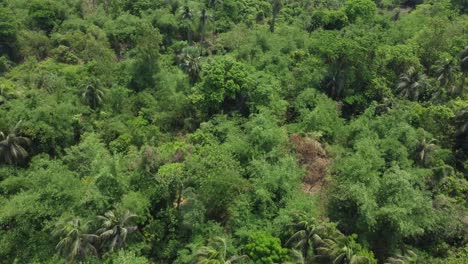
338 251
464 65
13 147
187 16
408 258
216 253
296 258
203 21
412 83
334 84
446 75
74 241
93 94
425 147
276 8
462 115
190 63
115 229
303 239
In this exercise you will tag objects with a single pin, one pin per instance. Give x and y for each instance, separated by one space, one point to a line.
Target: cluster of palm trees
312 242
76 243
307 243
413 83
309 240
315 243
187 16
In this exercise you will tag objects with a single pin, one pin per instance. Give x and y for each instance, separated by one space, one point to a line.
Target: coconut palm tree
13 147
425 147
115 229
296 257
93 94
216 253
446 75
337 251
462 115
408 258
276 8
303 239
412 83
74 242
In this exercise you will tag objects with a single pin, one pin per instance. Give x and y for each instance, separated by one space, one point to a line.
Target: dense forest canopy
234 131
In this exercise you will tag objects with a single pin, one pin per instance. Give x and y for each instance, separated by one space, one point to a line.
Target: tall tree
8 34
13 147
115 229
276 6
202 25
74 242
187 16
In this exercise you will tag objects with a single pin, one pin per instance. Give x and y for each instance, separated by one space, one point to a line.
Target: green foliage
127 257
218 175
43 194
226 85
263 248
328 19
46 14
318 113
221 131
8 34
376 190
360 9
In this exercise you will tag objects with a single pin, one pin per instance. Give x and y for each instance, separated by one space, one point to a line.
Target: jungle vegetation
234 131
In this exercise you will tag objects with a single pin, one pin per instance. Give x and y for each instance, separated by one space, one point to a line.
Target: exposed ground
315 160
